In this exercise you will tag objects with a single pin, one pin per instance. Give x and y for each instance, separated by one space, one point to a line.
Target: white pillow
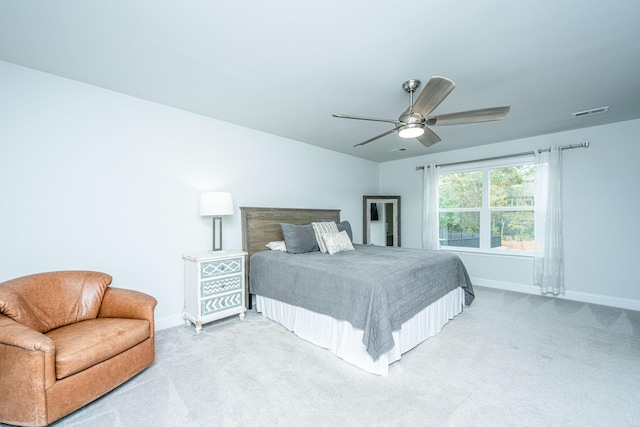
337 242
323 227
277 246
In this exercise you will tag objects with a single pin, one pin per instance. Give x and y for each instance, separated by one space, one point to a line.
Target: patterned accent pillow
337 242
323 227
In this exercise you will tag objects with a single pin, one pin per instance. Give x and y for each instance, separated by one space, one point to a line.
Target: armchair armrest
17 335
25 354
128 304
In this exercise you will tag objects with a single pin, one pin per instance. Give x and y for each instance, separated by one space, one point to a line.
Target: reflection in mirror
381 220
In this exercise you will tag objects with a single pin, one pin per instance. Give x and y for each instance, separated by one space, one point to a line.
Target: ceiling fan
415 121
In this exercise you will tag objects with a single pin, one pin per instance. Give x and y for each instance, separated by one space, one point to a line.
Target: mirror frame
366 220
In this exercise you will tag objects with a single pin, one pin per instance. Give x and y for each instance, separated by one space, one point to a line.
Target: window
489 207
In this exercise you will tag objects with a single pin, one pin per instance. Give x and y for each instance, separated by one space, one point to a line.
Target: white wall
601 206
92 179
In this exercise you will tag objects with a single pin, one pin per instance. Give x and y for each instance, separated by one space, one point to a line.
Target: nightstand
214 286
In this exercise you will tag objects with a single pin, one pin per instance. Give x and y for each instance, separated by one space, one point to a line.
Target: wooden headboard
262 225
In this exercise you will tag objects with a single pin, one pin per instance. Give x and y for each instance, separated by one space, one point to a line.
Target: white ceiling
285 66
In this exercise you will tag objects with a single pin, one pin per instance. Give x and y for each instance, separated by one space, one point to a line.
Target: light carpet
509 359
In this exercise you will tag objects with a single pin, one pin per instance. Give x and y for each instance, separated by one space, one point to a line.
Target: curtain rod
526 153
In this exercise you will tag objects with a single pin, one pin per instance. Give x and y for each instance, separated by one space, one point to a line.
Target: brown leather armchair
66 338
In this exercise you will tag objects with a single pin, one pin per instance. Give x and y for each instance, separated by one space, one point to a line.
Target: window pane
513 230
461 190
460 229
512 186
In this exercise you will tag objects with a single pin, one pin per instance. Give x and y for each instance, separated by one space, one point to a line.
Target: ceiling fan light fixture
412 130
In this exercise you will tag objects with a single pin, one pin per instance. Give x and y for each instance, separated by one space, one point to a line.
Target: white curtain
549 258
430 234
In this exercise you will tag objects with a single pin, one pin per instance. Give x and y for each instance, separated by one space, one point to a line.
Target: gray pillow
299 238
345 226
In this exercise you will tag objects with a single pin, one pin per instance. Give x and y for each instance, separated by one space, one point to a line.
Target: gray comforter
374 288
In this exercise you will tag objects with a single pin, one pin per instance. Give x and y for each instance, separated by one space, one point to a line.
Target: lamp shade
216 204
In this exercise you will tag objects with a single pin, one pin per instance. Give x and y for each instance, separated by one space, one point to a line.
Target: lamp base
217 234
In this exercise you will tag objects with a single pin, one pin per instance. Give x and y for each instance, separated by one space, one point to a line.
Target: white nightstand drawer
218 286
215 268
222 303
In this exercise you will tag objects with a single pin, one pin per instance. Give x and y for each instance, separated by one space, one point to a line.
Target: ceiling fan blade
471 116
376 137
428 138
371 119
436 90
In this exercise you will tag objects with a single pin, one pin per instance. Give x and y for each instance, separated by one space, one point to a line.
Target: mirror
381 220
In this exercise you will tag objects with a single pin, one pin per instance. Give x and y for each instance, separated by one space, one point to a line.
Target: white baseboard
624 303
166 322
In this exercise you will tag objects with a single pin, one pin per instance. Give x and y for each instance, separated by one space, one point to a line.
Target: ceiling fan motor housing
411 117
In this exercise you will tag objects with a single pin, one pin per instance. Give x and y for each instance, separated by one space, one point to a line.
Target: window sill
496 252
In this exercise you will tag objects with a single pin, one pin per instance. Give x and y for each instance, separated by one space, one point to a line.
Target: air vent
591 112
399 149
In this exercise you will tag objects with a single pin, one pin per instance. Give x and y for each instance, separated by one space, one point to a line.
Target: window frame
486 210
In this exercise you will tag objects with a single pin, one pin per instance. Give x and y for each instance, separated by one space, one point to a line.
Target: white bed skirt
344 341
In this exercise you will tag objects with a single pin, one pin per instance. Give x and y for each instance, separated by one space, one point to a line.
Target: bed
368 305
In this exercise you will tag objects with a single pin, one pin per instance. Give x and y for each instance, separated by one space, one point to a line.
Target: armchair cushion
84 344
